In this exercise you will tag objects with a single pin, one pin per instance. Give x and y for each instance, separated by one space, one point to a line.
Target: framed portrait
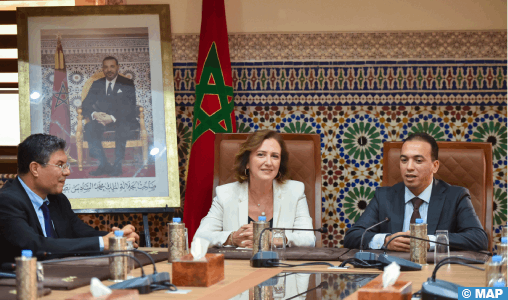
101 78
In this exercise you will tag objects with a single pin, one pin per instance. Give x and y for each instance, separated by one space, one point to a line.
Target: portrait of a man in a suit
110 105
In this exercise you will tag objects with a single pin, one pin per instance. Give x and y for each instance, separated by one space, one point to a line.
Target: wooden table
239 276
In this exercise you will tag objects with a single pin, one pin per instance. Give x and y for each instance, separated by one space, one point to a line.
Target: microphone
439 289
8 266
405 265
263 259
369 257
155 278
142 284
377 224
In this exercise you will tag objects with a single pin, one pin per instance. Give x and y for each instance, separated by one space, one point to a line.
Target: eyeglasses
64 167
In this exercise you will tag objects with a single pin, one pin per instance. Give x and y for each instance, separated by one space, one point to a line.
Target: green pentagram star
62 97
212 67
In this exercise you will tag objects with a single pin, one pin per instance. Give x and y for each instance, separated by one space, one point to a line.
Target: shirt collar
425 195
36 200
112 81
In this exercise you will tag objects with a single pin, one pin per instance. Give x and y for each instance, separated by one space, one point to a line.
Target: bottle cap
497 258
119 233
499 284
504 240
177 220
26 253
419 221
262 219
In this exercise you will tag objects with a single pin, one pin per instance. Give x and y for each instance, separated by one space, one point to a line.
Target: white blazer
230 210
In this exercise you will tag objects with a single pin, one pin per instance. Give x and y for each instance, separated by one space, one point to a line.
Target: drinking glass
279 243
441 251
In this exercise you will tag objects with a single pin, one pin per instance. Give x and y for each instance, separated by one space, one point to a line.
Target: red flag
213 111
60 113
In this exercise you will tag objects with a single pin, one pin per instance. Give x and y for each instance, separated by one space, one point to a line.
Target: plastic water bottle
118 265
26 276
418 248
178 245
494 271
257 228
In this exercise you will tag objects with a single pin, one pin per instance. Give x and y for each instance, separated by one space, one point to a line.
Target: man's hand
128 231
99 116
398 244
106 120
102 118
243 236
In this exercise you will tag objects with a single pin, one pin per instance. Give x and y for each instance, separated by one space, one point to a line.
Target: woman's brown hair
253 142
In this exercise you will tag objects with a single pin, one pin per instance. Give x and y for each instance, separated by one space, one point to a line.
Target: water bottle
256 230
178 245
494 271
26 276
418 248
118 265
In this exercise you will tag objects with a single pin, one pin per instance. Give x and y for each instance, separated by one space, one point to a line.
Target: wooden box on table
187 272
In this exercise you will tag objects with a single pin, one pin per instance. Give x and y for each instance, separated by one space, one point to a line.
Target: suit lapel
243 204
58 223
277 203
398 205
116 87
31 211
437 200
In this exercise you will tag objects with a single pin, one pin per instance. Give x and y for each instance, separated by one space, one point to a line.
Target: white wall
342 15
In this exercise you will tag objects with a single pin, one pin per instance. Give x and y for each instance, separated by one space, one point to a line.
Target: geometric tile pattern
352 147
357 90
357 77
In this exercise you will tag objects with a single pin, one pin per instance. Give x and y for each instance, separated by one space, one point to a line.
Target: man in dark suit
440 205
111 106
35 215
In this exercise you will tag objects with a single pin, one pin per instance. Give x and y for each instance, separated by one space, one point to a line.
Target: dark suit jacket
20 228
450 209
121 104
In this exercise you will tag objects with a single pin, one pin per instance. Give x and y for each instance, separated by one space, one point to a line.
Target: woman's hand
243 236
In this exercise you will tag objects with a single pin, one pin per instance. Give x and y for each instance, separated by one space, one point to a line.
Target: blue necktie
47 220
110 90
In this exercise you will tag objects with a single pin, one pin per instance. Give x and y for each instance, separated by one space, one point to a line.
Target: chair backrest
88 83
304 165
464 164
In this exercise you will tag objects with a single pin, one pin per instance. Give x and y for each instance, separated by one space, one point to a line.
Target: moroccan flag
60 113
213 111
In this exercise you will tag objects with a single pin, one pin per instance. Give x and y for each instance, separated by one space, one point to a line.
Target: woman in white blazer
262 187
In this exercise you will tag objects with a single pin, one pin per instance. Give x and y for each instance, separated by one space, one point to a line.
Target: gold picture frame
111 193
